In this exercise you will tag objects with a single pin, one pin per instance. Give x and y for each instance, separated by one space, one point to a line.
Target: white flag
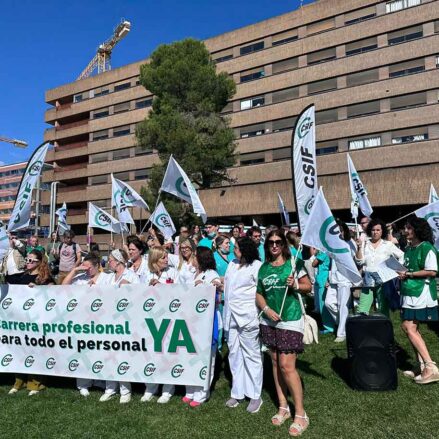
20 217
255 224
177 183
430 213
304 164
323 233
163 221
4 241
433 195
283 210
358 191
102 220
62 218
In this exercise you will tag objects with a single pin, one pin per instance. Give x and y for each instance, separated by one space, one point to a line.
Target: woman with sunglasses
37 273
280 280
186 266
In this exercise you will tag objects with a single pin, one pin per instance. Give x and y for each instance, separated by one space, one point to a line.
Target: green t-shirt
272 282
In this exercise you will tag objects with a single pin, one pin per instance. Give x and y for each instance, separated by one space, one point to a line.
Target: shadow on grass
341 367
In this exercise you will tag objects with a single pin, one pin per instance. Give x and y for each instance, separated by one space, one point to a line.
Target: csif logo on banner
97 367
123 199
35 168
330 234
308 205
358 186
181 187
122 305
28 304
73 365
174 305
149 369
50 304
7 360
163 220
50 363
149 304
71 305
203 373
102 219
27 192
29 361
6 303
304 127
177 371
123 368
201 306
96 305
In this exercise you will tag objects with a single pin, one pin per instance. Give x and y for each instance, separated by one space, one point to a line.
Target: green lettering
181 329
158 335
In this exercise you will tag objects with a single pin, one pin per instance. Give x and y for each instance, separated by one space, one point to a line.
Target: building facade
10 177
370 67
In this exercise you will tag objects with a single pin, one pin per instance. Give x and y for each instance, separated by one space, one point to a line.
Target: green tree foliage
185 119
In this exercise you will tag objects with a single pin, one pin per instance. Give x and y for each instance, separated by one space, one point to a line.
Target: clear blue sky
47 43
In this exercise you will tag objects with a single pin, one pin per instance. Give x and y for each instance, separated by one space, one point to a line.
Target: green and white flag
177 183
102 220
323 233
430 213
358 192
163 221
62 218
433 195
283 210
20 217
4 241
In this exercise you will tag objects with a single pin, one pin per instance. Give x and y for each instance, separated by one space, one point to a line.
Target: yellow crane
19 143
101 60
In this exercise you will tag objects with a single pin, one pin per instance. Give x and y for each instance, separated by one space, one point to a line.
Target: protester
338 294
369 255
282 328
69 255
37 273
13 263
195 230
241 325
293 243
187 265
184 234
241 229
322 263
235 234
52 248
211 228
419 294
222 254
137 262
255 233
156 239
33 244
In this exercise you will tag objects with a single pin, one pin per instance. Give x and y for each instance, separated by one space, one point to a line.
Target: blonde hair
189 243
154 256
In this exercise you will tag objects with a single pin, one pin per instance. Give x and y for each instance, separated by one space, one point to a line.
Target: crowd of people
260 279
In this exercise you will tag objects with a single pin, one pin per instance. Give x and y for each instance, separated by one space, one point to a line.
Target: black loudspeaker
371 353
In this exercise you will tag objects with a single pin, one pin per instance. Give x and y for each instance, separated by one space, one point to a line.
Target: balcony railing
70 167
66 189
71 125
71 146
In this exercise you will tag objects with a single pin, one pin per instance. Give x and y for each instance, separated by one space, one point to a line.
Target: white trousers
83 383
337 303
112 386
245 360
168 389
197 393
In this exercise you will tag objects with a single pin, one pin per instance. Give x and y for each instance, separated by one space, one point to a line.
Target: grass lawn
335 410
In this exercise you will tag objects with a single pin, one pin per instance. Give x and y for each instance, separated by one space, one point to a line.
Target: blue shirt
221 264
207 242
261 252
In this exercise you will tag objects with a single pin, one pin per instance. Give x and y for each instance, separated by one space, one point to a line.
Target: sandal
432 378
298 427
279 419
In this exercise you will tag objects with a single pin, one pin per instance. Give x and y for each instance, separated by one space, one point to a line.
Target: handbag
311 333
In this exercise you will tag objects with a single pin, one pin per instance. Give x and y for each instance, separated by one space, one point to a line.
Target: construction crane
101 60
19 143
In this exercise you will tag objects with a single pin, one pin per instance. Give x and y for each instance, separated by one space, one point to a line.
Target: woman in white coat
241 325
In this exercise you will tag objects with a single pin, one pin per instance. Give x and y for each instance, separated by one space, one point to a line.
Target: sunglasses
277 242
31 261
150 238
185 248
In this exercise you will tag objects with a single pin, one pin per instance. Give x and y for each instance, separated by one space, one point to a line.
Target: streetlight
15 142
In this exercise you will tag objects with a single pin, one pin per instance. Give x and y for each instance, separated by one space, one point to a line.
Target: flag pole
399 219
140 220
155 207
293 270
111 232
88 238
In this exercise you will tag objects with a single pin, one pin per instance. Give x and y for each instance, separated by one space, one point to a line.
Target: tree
185 120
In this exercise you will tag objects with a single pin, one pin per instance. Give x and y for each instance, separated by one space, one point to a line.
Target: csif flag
102 220
430 213
177 183
163 221
323 233
303 164
358 192
4 241
62 218
20 216
283 210
433 195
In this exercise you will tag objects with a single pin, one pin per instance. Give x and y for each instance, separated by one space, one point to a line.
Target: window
120 108
100 113
124 176
251 48
403 35
321 56
436 26
144 103
409 139
100 135
252 74
123 86
321 86
281 154
360 15
285 95
397 5
252 159
285 65
361 46
121 131
363 109
251 130
320 26
99 158
102 203
284 37
326 116
78 98
437 61
252 102
362 77
121 154
224 55
101 91
407 101
326 150
370 142
98 179
407 68
284 124
142 151
141 174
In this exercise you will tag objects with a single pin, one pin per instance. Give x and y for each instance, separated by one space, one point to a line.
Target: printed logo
7 360
163 220
304 127
35 168
148 305
96 305
203 373
329 231
29 361
149 369
28 304
102 219
270 282
50 304
97 366
174 305
177 371
181 187
122 305
201 306
71 305
50 363
308 205
73 365
123 368
6 303
433 220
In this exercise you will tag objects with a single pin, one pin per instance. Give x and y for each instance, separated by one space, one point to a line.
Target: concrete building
10 177
369 66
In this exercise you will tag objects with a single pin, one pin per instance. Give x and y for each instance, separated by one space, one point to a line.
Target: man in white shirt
13 263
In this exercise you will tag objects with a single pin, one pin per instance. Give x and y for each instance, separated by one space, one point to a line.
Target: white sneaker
106 396
164 399
84 392
147 396
340 340
13 391
125 399
34 392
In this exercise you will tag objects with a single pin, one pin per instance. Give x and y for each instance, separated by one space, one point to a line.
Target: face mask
224 252
211 235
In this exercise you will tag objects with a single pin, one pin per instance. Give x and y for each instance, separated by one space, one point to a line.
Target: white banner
136 333
62 218
20 216
323 233
432 197
177 183
430 213
163 221
102 220
358 191
283 210
304 164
